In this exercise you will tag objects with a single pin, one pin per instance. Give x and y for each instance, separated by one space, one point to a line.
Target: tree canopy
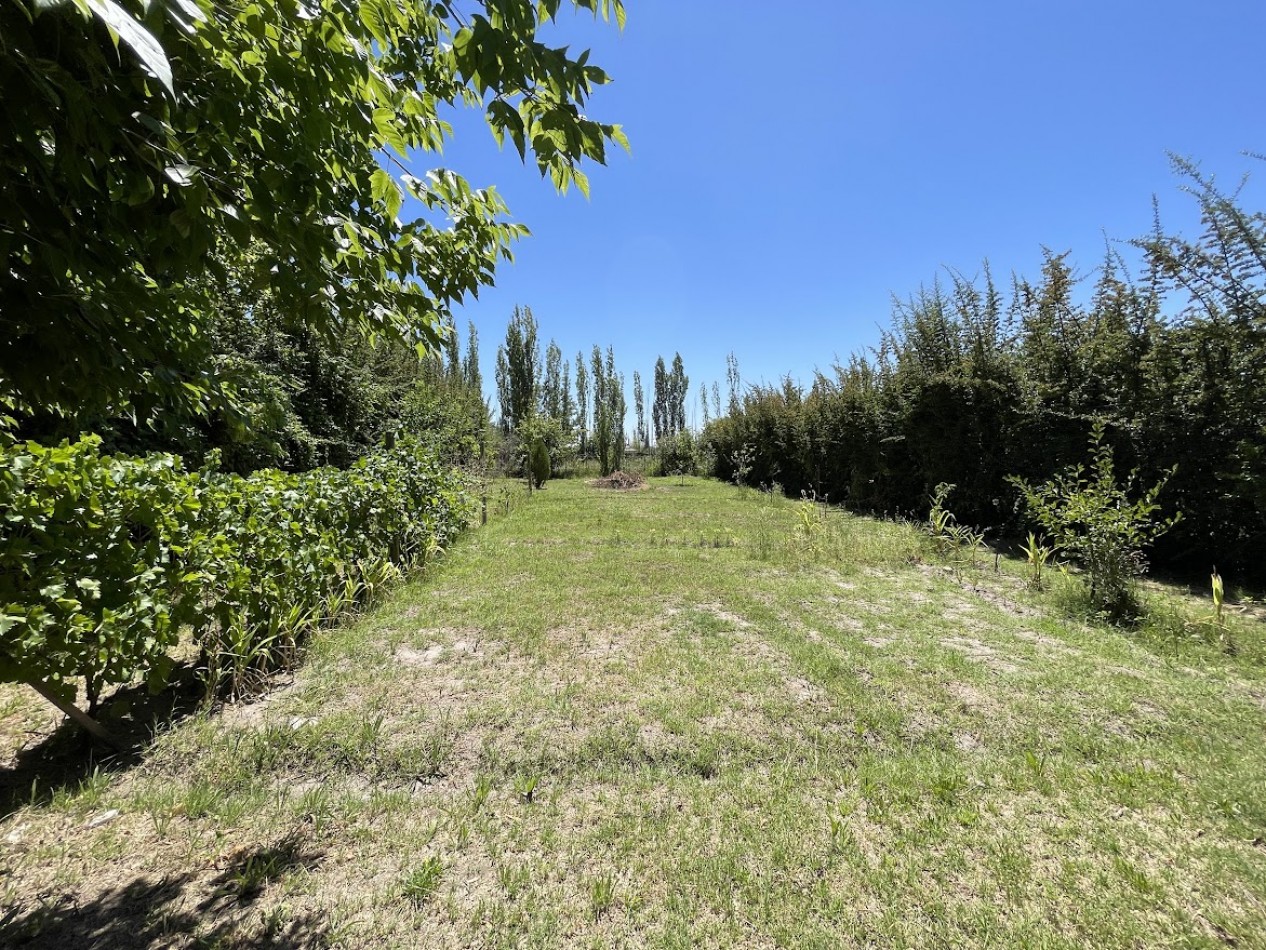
141 141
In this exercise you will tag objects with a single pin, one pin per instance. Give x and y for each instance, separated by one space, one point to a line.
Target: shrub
104 560
538 460
1090 517
677 454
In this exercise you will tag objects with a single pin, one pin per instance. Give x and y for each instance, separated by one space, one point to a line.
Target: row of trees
536 402
971 385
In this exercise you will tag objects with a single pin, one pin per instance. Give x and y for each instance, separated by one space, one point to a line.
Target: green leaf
140 40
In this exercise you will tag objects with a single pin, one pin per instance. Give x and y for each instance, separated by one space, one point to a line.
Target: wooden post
94 728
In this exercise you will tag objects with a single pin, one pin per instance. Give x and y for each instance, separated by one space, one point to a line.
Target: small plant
957 544
479 796
602 894
249 877
1037 555
525 787
741 459
765 519
810 527
420 884
1218 619
1091 517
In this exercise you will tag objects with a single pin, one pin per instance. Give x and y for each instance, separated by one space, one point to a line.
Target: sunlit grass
679 717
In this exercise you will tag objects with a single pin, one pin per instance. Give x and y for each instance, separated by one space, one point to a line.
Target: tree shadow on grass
63 759
177 911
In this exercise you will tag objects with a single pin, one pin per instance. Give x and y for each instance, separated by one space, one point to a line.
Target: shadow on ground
176 911
64 758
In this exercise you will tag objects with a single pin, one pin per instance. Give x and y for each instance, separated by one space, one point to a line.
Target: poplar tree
639 408
518 369
659 408
470 368
582 400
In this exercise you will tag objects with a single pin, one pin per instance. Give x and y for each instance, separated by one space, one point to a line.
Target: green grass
687 717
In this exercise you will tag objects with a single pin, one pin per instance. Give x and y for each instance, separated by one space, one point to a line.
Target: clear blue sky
795 165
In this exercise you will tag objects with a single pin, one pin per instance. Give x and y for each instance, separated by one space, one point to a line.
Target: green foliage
94 580
420 884
957 544
123 165
1091 518
678 454
519 370
1036 555
104 559
971 385
538 462
609 410
668 410
549 434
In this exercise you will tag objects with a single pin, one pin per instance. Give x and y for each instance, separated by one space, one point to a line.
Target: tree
678 384
659 408
569 407
582 400
519 370
639 409
470 368
734 381
552 382
609 411
177 127
617 410
669 409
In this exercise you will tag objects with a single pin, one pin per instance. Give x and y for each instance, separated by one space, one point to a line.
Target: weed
420 884
602 894
480 793
525 787
1037 556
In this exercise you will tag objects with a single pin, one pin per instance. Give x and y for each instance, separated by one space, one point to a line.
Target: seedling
421 884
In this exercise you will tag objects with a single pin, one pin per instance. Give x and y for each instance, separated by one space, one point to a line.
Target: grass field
674 718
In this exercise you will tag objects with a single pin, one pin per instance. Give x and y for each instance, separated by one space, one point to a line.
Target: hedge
106 560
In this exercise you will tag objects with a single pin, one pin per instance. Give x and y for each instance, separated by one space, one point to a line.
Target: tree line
536 403
970 385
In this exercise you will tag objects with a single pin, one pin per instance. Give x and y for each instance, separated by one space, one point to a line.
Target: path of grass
638 720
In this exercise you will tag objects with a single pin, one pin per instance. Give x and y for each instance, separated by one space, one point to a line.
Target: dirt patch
1048 644
620 481
970 698
728 616
411 657
967 742
1149 710
878 642
977 652
803 691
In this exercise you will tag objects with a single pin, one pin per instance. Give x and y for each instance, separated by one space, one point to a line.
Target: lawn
675 717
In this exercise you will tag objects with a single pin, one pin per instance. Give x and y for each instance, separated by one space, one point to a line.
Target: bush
104 560
677 454
1092 519
538 461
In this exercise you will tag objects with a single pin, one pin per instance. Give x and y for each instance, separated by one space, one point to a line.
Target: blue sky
795 165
